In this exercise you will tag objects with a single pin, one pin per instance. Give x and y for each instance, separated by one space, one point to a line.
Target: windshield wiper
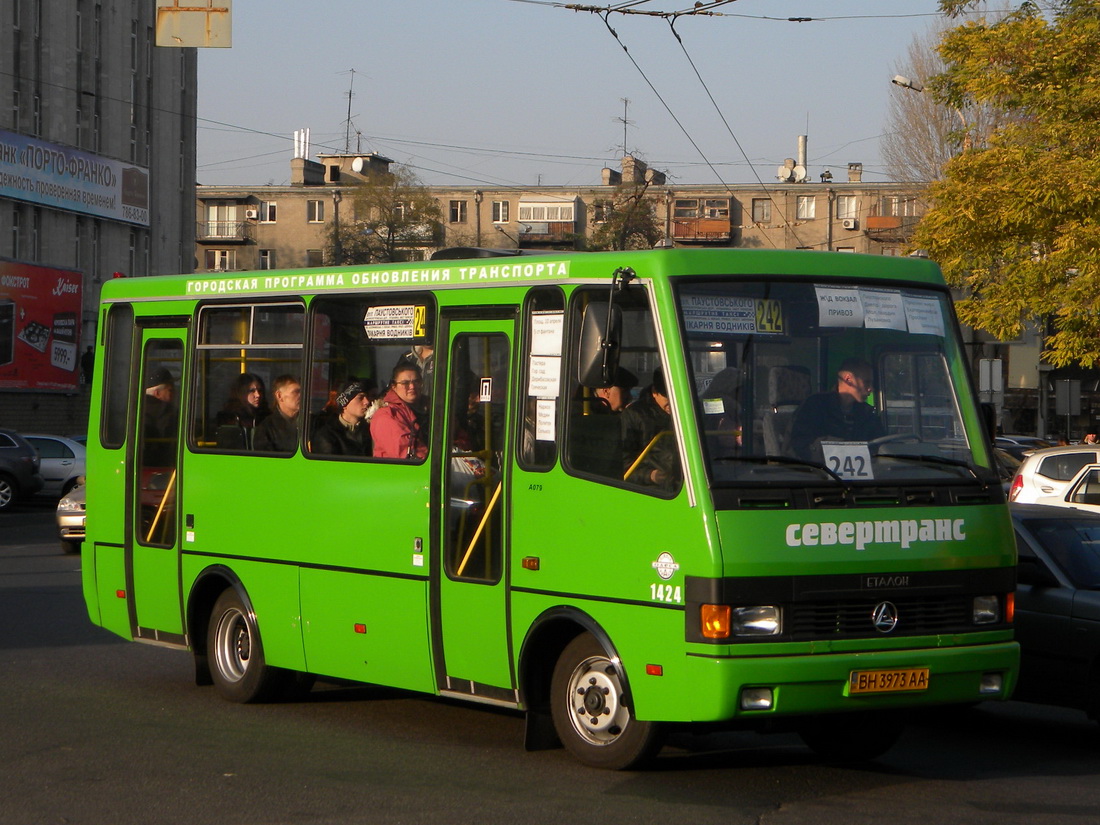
781 459
933 459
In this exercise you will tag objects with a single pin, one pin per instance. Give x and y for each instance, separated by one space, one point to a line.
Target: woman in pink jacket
396 429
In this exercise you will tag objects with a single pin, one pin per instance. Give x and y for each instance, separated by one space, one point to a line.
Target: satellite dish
799 173
357 165
784 173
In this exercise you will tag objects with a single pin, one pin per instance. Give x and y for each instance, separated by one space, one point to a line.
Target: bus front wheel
592 709
236 654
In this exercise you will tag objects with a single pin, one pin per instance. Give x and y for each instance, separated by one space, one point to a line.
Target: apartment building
97 179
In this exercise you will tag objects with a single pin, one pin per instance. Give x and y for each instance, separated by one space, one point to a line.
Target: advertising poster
40 311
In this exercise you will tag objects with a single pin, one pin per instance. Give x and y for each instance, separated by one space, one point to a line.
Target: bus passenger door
471 622
152 543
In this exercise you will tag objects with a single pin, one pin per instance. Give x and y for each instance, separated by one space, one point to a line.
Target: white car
71 512
1045 476
62 462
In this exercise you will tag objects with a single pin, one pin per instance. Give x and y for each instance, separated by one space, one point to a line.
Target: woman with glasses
246 407
397 430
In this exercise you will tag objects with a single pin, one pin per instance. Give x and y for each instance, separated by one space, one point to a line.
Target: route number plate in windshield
851 460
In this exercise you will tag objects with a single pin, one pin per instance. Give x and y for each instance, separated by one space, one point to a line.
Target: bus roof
516 270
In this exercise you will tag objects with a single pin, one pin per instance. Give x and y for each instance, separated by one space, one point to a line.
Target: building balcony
534 233
890 227
222 232
702 230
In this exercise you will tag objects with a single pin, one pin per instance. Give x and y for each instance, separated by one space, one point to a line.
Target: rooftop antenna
625 122
347 123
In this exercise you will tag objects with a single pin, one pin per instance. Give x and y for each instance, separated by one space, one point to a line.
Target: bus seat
596 445
788 387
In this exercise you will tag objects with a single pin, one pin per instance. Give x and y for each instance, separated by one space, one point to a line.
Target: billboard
65 178
40 313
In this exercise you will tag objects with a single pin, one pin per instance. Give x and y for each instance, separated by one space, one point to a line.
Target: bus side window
242 351
360 340
606 425
544 320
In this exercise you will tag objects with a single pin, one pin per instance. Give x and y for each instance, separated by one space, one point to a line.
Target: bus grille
852 618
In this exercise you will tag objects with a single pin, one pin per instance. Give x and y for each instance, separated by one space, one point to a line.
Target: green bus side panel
272 590
109 565
475 633
156 588
367 628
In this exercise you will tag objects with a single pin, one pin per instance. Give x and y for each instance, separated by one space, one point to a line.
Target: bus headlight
759 620
987 609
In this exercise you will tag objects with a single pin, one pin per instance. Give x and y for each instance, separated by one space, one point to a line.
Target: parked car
62 462
71 511
1058 606
1020 445
1045 475
19 476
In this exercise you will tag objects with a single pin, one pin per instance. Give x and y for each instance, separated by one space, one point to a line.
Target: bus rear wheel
592 709
236 654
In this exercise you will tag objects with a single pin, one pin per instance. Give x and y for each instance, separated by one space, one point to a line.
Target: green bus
795 525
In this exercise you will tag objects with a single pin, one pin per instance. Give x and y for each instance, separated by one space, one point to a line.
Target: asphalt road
97 730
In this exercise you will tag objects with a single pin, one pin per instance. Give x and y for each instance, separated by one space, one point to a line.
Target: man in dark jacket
842 415
650 456
278 433
347 432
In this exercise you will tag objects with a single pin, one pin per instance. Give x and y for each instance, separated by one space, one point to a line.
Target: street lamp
915 86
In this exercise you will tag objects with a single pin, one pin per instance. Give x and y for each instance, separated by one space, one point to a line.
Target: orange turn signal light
715 621
1010 607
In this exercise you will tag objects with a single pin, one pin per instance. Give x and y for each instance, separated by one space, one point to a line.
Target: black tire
236 654
9 492
592 712
852 737
70 547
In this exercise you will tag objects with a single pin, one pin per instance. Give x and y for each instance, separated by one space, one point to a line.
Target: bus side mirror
598 355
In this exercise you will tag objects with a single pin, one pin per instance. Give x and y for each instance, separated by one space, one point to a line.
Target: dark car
1058 606
1020 445
19 476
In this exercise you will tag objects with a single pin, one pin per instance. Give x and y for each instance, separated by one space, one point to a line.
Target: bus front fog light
987 609
991 683
759 620
759 698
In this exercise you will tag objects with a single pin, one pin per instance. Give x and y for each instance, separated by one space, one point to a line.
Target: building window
807 207
685 208
847 206
267 211
891 251
221 260
845 249
267 259
458 212
546 212
601 211
761 210
716 208
899 207
500 212
314 257
315 211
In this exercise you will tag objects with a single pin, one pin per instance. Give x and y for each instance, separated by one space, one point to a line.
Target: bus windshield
820 382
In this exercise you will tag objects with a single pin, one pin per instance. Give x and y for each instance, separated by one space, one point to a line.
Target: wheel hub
598 711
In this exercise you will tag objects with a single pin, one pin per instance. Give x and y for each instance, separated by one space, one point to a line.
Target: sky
522 93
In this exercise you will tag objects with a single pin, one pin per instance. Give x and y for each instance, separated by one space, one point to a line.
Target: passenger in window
650 456
613 398
278 433
161 419
347 432
399 428
840 415
245 409
421 356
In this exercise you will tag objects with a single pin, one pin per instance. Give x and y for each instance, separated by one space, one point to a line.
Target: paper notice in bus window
719 314
544 376
839 307
924 316
390 322
546 332
883 309
544 419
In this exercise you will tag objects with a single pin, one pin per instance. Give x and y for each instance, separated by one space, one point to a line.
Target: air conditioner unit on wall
850 223
251 214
